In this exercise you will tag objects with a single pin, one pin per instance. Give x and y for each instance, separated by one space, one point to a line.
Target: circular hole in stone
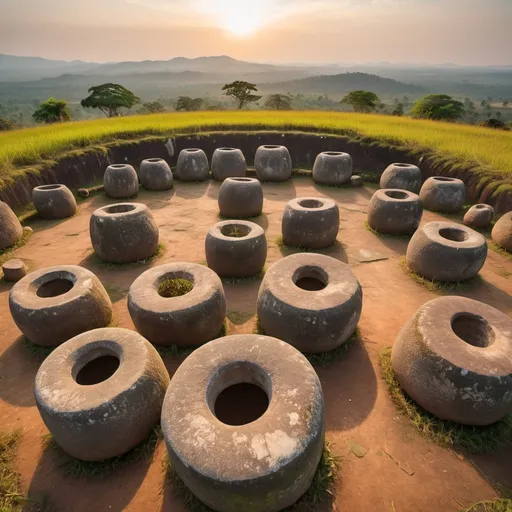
453 234
55 287
120 208
175 287
480 206
311 203
395 194
271 147
235 230
243 179
311 279
473 329
49 187
401 165
154 160
118 166
443 179
98 370
192 150
333 153
239 393
227 149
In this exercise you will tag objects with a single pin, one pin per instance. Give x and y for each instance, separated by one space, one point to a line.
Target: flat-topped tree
361 101
278 102
188 104
110 98
52 111
241 92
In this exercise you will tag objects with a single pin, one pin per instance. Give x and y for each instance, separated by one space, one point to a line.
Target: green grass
102 469
320 490
93 259
37 351
174 287
445 433
235 280
488 150
11 497
500 505
385 235
438 286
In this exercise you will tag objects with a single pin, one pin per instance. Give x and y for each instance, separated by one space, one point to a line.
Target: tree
189 104
494 123
439 107
109 98
361 101
52 111
241 92
506 103
152 107
6 125
399 110
278 102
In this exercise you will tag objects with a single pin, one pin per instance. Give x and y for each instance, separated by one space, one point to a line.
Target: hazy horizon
415 32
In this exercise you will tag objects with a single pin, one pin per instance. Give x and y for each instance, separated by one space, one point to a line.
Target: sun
236 16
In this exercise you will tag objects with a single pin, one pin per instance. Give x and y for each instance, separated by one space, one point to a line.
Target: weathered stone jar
120 181
228 163
236 248
240 198
332 168
394 212
311 301
479 216
124 233
454 358
192 165
273 163
54 202
155 174
443 195
53 304
502 232
101 393
446 251
254 407
185 320
402 177
10 227
310 222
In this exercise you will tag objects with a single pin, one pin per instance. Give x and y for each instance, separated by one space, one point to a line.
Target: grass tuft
174 287
37 351
500 505
11 498
438 286
236 280
104 468
445 433
385 235
94 260
320 490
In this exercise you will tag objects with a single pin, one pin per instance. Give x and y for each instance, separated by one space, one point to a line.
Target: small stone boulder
14 270
10 227
356 181
479 216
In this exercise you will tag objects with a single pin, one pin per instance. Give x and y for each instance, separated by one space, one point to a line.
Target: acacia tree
361 101
110 98
52 111
278 102
241 92
188 104
440 107
6 125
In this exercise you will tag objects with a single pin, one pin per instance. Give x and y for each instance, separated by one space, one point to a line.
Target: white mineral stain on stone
294 418
259 447
239 438
200 431
292 392
280 446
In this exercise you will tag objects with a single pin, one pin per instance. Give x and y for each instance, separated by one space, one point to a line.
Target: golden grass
491 149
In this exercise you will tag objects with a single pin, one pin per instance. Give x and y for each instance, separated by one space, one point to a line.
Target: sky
464 32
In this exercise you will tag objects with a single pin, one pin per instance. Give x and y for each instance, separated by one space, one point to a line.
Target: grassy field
486 148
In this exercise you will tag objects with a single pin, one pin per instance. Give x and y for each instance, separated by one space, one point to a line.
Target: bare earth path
400 471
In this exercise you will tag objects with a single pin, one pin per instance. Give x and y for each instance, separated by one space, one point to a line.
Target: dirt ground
400 471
